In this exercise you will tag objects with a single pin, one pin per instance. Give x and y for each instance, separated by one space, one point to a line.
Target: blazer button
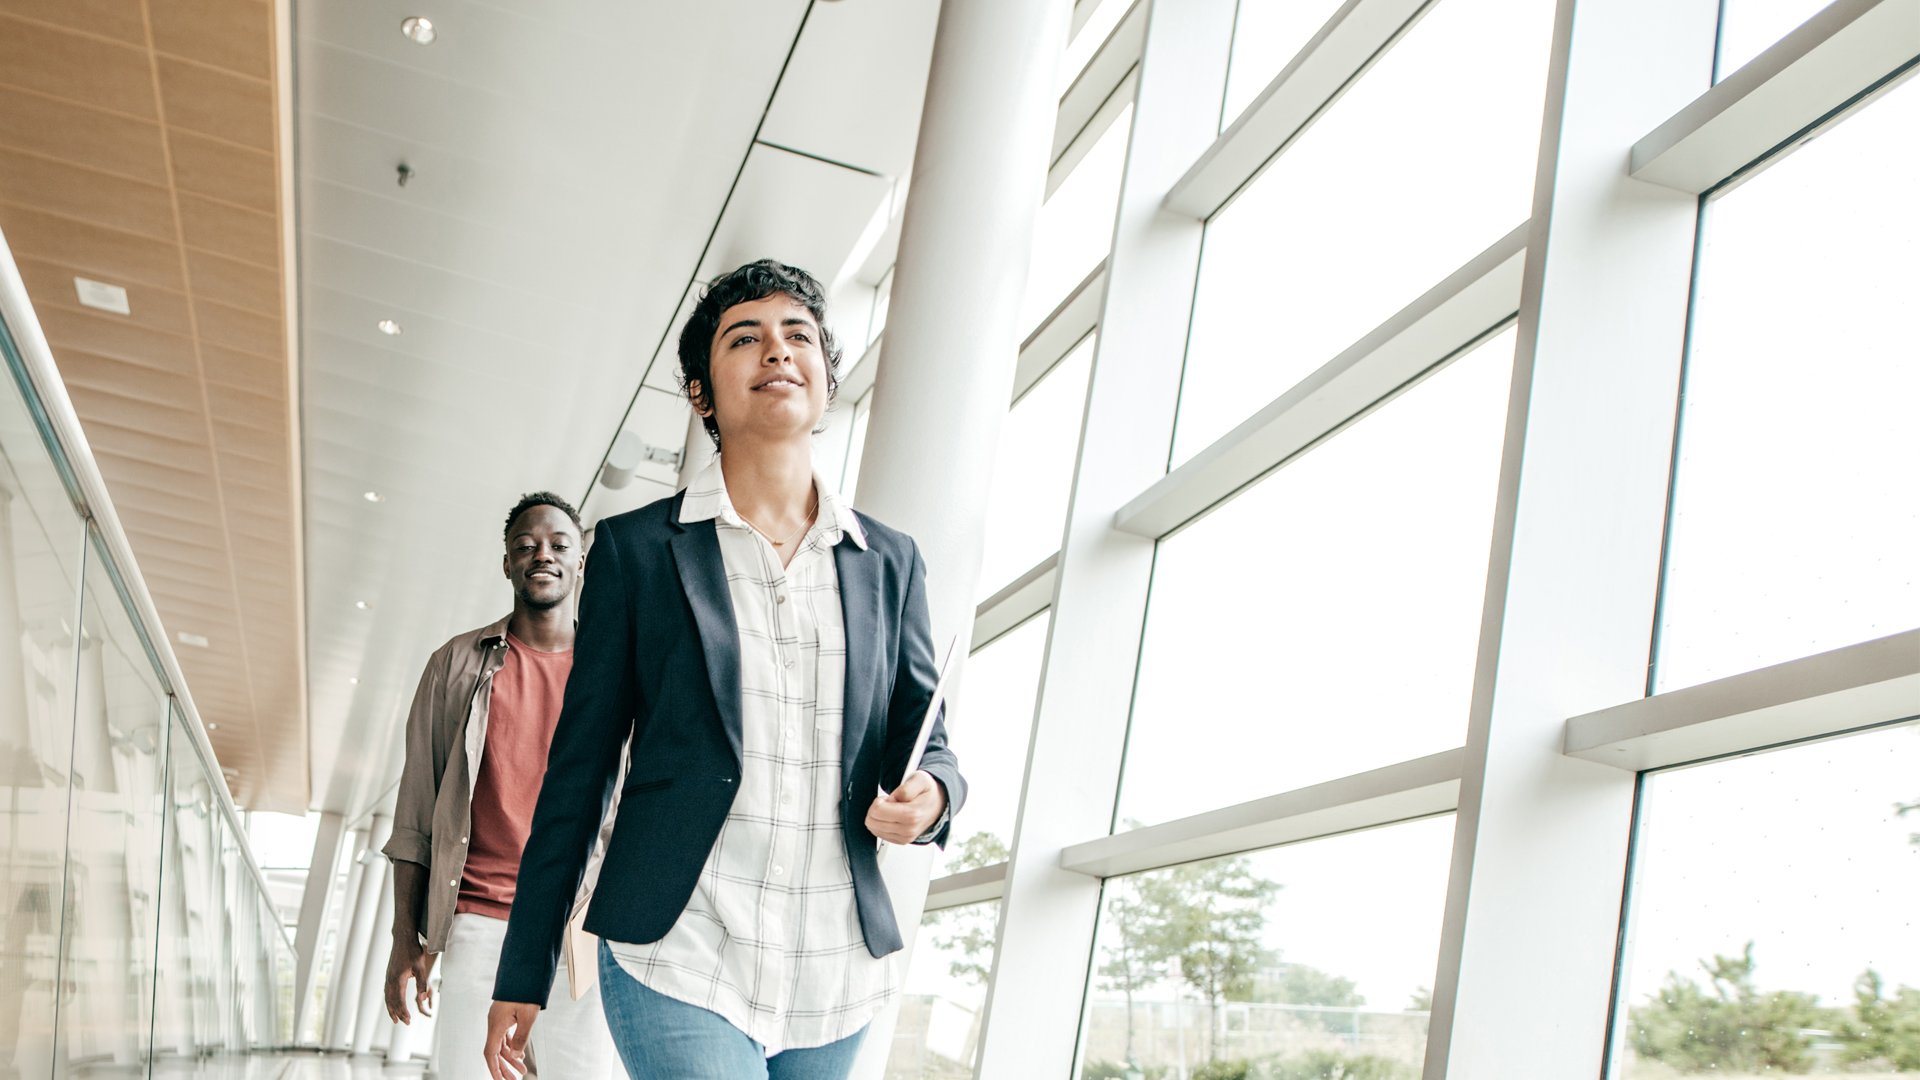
454 884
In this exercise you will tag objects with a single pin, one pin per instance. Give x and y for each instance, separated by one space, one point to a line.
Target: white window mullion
1540 843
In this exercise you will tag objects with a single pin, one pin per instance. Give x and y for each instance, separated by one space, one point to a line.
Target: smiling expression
769 373
544 557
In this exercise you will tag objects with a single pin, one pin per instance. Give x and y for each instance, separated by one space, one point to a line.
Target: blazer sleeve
915 674
582 765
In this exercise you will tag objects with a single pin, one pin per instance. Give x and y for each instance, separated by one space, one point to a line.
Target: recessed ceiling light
390 328
212 726
198 641
363 605
373 496
353 680
418 29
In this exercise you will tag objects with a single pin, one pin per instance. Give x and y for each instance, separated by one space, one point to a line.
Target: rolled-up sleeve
412 839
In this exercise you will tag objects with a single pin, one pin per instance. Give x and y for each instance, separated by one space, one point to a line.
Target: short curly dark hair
754 281
538 498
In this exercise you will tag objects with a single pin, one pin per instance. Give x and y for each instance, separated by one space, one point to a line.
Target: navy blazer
657 660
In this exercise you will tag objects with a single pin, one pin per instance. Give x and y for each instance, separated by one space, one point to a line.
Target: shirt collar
496 633
707 500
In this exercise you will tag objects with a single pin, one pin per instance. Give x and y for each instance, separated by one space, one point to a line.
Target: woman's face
769 371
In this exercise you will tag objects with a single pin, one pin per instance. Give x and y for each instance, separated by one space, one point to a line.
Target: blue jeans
661 1038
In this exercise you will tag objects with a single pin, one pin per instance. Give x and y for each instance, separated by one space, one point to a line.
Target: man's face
544 557
769 370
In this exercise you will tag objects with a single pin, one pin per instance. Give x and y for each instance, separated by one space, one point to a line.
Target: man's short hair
538 498
754 281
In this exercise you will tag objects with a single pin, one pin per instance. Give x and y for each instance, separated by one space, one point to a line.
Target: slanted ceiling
141 146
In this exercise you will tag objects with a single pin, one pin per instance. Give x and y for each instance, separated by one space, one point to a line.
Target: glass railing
137 928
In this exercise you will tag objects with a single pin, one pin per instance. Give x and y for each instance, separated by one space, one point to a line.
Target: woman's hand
906 815
508 1023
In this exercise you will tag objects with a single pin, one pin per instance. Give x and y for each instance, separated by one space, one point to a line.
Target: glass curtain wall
136 931
1339 494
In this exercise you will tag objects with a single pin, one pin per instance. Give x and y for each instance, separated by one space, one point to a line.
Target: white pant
570 1040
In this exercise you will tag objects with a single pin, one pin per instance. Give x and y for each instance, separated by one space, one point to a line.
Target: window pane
1334 607
938 1034
1749 27
1027 507
1769 893
40 540
1075 227
1425 162
1796 515
1105 15
993 722
1314 960
1267 34
113 869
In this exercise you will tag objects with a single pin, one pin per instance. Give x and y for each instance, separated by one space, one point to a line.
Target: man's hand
508 1023
902 817
408 960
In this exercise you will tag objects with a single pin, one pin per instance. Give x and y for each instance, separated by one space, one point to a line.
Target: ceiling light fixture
418 29
363 605
373 496
353 680
198 641
390 328
213 727
100 295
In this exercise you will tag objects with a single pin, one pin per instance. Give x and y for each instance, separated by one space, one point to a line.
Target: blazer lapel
860 610
703 576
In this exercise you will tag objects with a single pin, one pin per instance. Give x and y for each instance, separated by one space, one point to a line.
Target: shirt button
454 884
780 598
789 665
463 839
779 871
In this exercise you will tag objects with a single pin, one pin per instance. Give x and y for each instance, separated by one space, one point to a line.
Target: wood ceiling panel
227 230
244 440
119 440
111 335
209 101
233 34
236 284
60 63
142 417
110 142
112 255
117 19
81 368
163 528
236 404
224 172
261 335
152 309
233 368
56 187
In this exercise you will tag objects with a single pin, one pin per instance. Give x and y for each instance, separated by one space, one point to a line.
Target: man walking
477 740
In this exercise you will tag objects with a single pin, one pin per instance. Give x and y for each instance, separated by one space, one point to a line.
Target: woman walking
764 651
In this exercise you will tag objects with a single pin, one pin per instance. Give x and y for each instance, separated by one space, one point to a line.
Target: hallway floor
289 1065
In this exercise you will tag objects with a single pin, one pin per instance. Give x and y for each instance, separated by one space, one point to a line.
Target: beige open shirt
434 809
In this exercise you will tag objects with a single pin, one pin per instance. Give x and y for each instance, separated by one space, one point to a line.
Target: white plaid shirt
770 939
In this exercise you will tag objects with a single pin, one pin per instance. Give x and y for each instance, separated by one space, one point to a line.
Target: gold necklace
813 508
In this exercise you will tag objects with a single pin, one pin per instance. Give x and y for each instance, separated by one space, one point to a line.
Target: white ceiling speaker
629 452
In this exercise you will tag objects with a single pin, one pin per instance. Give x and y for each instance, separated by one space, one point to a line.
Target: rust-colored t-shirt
525 705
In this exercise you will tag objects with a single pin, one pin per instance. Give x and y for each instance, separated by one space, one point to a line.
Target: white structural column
1049 913
1541 842
327 1024
344 1009
372 1024
316 905
979 174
